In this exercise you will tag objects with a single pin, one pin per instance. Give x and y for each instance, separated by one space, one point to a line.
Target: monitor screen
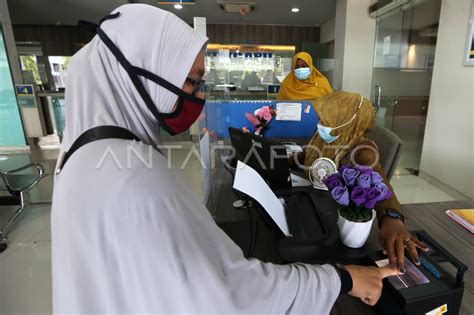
268 157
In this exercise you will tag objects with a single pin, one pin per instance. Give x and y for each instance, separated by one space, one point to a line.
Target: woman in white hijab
128 235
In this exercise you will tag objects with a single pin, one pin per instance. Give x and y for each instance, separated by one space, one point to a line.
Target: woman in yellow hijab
304 82
345 120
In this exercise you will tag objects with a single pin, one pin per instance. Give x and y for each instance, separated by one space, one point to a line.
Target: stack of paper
465 217
293 148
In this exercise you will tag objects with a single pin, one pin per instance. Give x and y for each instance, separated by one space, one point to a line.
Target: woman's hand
395 238
367 282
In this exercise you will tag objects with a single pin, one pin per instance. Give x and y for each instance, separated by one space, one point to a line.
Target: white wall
339 43
448 150
354 46
328 31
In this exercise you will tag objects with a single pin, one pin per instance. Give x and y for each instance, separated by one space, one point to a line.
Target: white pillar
448 147
10 42
339 43
200 26
354 46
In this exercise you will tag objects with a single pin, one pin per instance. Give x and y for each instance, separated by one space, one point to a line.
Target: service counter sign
26 95
24 90
273 89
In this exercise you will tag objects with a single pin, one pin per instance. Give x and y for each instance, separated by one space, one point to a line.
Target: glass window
29 67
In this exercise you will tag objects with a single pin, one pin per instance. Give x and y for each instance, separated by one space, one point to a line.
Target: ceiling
277 12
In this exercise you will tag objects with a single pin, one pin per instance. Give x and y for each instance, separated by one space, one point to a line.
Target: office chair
17 186
389 145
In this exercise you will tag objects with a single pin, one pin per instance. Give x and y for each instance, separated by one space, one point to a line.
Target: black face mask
189 107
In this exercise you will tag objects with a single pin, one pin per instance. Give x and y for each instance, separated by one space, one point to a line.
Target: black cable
253 232
249 251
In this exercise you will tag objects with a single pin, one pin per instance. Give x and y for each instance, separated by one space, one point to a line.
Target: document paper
288 111
298 181
249 182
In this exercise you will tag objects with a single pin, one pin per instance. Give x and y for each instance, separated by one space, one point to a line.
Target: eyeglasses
199 85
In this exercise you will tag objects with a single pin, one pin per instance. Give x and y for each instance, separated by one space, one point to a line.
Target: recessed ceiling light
178 6
295 10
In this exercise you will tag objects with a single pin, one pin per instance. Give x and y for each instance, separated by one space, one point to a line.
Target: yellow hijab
310 89
335 110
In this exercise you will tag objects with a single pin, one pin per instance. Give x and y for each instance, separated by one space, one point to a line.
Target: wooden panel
64 40
262 34
55 40
411 106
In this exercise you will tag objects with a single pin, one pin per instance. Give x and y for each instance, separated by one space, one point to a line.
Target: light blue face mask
325 132
302 73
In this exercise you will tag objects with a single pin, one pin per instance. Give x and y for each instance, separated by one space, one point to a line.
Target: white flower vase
354 234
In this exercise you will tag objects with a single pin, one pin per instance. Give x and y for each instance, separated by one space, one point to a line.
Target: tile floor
25 267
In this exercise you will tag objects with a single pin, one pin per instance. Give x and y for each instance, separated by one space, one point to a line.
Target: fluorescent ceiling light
295 10
178 6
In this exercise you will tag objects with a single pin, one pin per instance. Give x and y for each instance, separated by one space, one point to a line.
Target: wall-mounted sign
386 45
26 95
242 54
273 89
24 90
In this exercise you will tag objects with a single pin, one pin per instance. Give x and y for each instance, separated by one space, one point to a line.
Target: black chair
390 148
16 186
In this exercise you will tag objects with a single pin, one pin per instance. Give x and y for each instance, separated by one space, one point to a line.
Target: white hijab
100 91
135 239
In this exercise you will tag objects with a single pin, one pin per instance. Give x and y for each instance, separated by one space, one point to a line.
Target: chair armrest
27 182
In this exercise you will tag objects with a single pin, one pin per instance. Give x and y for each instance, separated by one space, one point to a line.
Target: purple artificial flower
373 196
364 169
333 181
358 196
341 195
350 176
376 178
385 193
342 168
364 180
331 177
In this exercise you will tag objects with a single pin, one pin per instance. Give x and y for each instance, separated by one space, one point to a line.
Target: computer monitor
266 156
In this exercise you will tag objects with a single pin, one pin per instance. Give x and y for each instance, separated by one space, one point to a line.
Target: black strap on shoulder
94 134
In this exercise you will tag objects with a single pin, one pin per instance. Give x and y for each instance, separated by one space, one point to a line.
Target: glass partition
11 128
404 55
244 72
59 111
